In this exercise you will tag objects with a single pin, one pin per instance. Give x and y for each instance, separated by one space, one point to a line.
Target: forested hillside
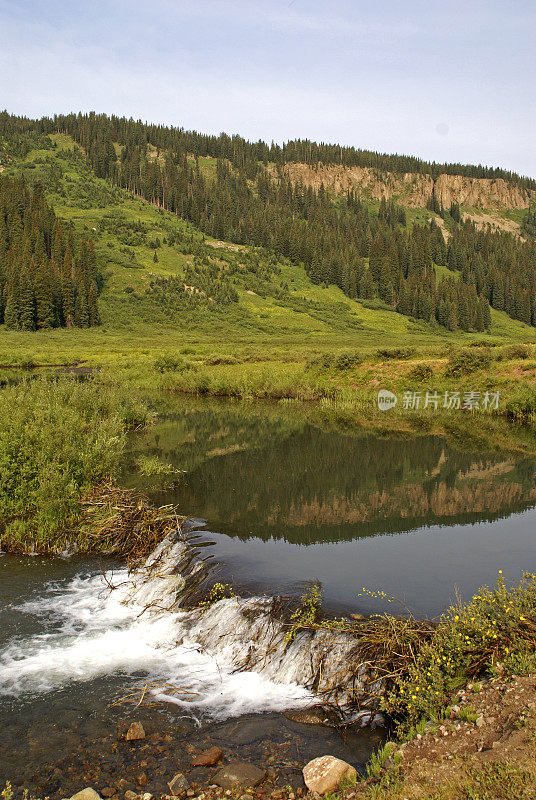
370 254
48 277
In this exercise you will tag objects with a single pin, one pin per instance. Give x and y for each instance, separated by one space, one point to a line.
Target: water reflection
267 478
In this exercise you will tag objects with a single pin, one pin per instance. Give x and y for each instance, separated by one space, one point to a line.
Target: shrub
219 591
57 439
421 372
347 360
324 361
522 403
171 363
463 362
514 351
396 352
497 626
307 613
151 466
214 361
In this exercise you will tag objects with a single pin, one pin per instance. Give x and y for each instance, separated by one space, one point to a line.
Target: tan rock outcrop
411 188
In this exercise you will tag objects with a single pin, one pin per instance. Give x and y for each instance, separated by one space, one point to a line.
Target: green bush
421 372
497 627
323 361
514 352
395 352
170 363
347 360
523 402
57 439
463 362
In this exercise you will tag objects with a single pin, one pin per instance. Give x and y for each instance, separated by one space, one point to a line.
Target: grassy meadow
280 322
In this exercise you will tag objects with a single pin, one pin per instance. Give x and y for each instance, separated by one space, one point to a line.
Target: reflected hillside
255 472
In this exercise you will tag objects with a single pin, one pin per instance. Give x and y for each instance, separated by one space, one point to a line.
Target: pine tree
12 310
44 297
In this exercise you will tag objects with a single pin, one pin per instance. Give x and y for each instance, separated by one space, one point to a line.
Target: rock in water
135 732
207 758
86 794
325 774
179 785
312 716
239 774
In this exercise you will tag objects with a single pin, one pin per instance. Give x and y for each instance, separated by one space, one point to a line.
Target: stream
281 499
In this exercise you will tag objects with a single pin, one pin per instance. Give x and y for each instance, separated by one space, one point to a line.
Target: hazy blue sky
443 79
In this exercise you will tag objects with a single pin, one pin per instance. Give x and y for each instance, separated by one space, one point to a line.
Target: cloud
267 70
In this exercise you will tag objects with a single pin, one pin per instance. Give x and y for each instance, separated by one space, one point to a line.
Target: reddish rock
207 758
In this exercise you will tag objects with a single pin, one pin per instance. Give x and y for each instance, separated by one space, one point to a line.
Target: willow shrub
496 631
57 439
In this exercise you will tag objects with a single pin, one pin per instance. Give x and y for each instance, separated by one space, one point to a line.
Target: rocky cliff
413 189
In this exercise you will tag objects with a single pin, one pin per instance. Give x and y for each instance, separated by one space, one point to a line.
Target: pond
288 499
285 496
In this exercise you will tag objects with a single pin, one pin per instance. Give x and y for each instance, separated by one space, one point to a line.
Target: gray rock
312 716
247 731
86 794
239 774
178 785
325 774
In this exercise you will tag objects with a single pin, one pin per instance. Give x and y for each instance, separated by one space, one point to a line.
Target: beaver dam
125 618
198 649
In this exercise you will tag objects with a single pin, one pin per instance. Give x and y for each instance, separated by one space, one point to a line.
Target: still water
286 497
289 499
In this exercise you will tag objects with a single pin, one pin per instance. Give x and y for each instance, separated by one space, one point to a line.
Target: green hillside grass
310 317
261 345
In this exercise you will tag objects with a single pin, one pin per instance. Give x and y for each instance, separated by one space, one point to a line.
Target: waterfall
224 660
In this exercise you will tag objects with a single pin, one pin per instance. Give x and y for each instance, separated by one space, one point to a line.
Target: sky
443 79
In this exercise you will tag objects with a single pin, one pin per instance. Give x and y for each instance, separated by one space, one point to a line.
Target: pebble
86 794
135 732
178 785
141 779
208 757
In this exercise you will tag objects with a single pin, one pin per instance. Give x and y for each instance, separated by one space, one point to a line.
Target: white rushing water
229 660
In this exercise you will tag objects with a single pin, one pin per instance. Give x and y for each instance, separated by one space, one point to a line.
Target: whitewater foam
230 659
